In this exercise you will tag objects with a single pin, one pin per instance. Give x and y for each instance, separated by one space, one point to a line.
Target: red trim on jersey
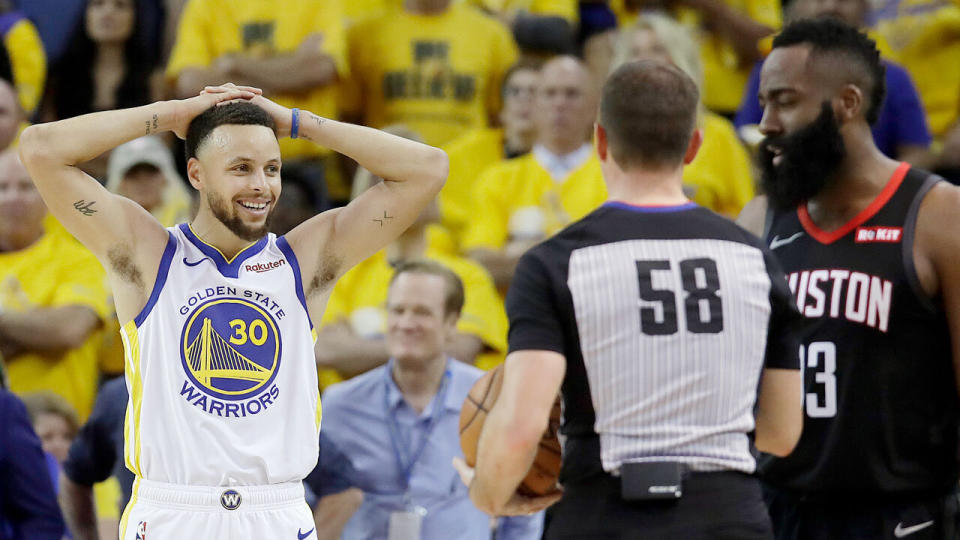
829 237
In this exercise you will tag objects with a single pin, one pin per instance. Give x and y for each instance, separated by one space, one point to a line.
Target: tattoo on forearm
84 207
381 220
316 119
152 127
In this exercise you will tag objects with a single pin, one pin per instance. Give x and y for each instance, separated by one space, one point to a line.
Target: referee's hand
517 505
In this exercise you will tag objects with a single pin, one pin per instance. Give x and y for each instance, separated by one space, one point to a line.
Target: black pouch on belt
651 481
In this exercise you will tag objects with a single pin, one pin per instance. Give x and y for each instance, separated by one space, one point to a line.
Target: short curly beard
224 212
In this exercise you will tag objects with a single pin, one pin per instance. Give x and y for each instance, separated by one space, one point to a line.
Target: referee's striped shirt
666 317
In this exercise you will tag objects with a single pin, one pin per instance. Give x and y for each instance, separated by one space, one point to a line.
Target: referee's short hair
648 110
453 299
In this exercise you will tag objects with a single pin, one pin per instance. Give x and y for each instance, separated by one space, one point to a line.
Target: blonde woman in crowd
720 178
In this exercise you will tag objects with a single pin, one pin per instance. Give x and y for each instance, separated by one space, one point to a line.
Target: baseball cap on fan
149 150
168 201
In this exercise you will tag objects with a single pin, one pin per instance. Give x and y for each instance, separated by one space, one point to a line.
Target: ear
600 136
450 323
696 141
850 103
193 173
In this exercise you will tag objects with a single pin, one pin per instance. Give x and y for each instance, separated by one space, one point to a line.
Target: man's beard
221 210
809 160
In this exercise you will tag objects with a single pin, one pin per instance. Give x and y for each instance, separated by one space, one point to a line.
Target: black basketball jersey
880 396
666 317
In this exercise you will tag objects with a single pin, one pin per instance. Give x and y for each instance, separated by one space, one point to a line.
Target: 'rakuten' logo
264 267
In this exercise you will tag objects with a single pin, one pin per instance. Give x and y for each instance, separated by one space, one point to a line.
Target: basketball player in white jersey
224 413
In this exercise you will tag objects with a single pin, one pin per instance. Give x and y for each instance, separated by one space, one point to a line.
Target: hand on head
188 109
280 114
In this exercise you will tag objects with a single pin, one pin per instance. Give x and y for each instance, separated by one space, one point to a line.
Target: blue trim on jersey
292 259
229 268
650 209
9 20
162 272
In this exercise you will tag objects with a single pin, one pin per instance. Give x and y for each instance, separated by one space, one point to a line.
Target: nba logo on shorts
142 531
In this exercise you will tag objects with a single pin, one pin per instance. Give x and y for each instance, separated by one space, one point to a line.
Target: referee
659 320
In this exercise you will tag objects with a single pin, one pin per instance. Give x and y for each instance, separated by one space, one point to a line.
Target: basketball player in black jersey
871 248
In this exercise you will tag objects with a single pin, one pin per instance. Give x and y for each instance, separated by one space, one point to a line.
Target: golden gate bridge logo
231 348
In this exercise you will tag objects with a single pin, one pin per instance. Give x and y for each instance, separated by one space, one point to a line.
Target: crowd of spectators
509 88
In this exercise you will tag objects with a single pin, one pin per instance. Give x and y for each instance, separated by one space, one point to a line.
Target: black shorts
797 517
715 505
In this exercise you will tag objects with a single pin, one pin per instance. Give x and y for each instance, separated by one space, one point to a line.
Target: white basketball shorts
159 511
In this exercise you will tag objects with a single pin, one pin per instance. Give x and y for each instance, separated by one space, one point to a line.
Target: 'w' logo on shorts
230 499
142 531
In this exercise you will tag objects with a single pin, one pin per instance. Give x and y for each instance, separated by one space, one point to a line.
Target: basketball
541 479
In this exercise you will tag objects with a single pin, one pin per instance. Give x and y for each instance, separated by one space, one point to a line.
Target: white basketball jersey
220 369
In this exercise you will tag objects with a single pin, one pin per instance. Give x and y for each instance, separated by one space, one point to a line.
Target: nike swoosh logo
777 242
301 536
902 531
188 263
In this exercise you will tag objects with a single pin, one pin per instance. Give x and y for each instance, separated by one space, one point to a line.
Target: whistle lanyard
406 467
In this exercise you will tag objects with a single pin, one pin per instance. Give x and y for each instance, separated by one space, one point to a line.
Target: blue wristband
295 123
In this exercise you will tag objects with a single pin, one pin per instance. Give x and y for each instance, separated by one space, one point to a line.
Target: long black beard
222 211
810 159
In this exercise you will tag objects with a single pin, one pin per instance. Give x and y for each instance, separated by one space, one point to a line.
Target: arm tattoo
385 217
85 208
154 125
318 120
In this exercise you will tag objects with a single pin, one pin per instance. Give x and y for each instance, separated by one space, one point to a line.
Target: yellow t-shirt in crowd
359 298
724 75
924 37
211 28
439 75
106 496
720 177
469 155
568 9
355 10
522 183
27 58
55 271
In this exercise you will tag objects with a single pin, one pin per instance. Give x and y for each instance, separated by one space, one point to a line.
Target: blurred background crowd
507 87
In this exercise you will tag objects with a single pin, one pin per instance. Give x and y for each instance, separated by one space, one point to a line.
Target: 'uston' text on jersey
665 316
220 368
880 397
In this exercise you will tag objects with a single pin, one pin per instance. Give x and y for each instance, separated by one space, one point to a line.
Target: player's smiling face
240 177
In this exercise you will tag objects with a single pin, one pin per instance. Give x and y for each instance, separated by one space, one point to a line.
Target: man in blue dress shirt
399 423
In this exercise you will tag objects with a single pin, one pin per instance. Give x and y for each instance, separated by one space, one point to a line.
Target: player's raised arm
99 219
413 174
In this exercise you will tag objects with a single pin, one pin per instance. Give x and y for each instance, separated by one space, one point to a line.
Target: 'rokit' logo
230 350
